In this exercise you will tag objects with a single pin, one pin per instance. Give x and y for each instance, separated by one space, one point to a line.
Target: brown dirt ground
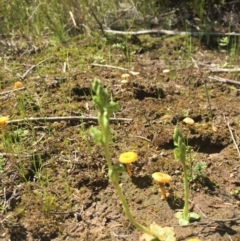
54 183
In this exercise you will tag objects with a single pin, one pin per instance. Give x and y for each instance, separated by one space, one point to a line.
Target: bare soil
54 183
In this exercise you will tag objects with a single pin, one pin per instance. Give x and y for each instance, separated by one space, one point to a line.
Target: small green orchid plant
184 216
106 107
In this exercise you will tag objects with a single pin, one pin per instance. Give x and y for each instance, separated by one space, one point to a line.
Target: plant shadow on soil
142 182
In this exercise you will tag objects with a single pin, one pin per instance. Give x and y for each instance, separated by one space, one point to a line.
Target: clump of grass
56 18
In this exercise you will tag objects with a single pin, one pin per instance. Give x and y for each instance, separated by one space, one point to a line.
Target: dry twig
169 32
214 68
140 137
4 154
228 70
10 91
231 133
224 80
211 222
65 118
31 68
115 67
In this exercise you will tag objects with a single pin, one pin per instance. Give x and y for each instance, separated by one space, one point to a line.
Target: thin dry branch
169 32
115 67
65 118
4 154
31 68
10 91
214 68
211 222
231 133
224 80
225 70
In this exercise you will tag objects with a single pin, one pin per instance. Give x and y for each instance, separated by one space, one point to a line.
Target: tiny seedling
199 169
224 41
194 171
99 59
106 107
235 192
20 133
48 202
184 216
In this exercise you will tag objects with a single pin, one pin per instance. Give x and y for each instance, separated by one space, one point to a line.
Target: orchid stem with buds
180 154
106 107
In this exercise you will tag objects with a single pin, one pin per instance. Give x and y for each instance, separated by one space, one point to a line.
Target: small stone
153 158
124 81
166 71
177 172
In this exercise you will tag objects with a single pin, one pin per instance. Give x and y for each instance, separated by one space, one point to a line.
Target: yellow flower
162 178
127 158
3 119
125 76
17 85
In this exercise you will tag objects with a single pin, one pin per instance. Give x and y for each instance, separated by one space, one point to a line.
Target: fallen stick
65 118
115 67
4 154
31 68
214 68
10 91
211 222
231 133
169 32
224 80
225 70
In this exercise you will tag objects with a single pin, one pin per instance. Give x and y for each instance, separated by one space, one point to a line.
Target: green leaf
176 134
115 171
113 107
199 168
224 41
177 153
194 216
103 96
97 135
95 85
105 120
181 220
182 148
164 234
97 102
21 133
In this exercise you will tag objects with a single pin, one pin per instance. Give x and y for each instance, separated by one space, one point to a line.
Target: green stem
185 180
127 211
106 108
122 198
107 155
208 99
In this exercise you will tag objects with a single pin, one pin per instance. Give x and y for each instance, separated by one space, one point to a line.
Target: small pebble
153 158
177 172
